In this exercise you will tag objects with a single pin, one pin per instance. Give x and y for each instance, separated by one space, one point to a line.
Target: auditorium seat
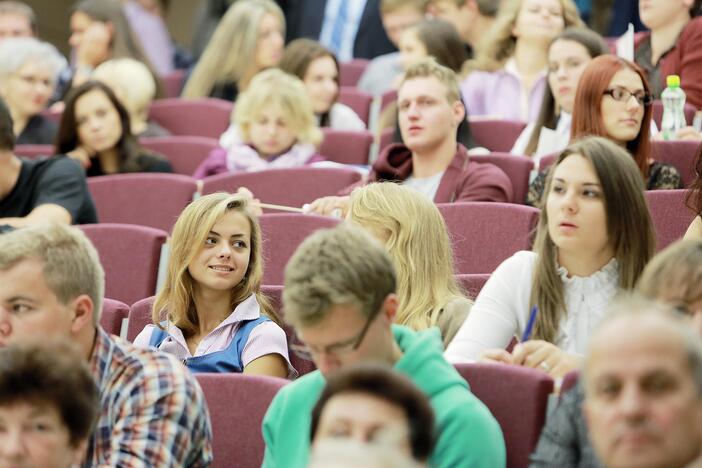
173 83
517 168
207 117
130 256
237 404
496 135
146 199
139 317
275 294
680 154
669 214
471 284
290 186
34 151
484 234
345 146
358 100
282 234
350 72
113 313
517 397
185 153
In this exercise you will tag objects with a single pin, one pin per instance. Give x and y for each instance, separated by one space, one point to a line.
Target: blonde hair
628 223
131 81
391 6
419 245
175 299
429 67
231 51
499 44
71 263
676 269
276 88
339 266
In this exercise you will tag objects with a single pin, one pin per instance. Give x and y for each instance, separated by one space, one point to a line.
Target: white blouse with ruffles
501 310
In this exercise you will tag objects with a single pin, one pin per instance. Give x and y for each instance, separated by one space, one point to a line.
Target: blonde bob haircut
416 237
230 54
429 67
276 88
674 273
499 44
175 300
629 229
131 81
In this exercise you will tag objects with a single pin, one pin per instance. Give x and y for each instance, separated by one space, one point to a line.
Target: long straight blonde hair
175 300
629 229
499 43
415 235
230 54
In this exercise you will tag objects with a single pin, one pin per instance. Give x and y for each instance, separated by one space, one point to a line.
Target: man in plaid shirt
153 412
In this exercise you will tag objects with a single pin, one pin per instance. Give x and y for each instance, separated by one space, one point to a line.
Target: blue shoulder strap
158 335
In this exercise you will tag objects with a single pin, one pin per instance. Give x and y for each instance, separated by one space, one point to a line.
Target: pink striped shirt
266 338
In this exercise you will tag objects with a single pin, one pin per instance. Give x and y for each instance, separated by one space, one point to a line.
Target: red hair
587 111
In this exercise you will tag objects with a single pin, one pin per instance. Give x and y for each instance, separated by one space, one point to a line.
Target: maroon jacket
464 180
684 59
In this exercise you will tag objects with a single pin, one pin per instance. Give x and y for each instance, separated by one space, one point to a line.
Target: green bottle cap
673 81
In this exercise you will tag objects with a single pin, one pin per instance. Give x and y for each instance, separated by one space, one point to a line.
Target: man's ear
83 312
390 305
459 112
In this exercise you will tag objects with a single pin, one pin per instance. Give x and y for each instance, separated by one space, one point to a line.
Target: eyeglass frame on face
643 98
305 352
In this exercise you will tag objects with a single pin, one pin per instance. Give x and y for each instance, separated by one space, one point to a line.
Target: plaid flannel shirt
153 412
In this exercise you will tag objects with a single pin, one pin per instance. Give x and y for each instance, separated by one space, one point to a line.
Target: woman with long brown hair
593 239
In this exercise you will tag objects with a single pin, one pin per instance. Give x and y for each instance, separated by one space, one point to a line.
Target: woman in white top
210 312
568 56
594 238
318 69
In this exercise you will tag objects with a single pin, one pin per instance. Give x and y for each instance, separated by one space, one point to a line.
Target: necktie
337 35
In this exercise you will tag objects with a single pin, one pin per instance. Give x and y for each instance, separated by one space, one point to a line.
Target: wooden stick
280 207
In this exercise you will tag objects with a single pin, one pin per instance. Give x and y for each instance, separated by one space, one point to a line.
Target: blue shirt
354 13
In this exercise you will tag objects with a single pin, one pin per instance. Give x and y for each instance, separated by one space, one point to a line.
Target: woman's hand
539 354
492 356
82 154
94 46
329 206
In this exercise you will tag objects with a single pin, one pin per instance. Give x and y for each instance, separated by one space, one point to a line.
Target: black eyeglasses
623 95
305 352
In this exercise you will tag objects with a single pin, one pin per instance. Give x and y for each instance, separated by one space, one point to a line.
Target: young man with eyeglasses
340 297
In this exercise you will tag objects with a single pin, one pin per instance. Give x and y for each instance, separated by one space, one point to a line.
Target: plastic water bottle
673 98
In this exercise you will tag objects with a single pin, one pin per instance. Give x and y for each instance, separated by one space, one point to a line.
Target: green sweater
469 436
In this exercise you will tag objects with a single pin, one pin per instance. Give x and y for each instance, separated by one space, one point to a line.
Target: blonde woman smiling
217 319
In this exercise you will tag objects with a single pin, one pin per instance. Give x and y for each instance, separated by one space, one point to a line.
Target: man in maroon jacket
430 160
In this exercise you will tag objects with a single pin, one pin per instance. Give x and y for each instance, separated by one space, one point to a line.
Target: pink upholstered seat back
147 199
517 169
346 147
207 117
184 152
484 234
669 214
517 397
496 135
237 404
113 312
130 257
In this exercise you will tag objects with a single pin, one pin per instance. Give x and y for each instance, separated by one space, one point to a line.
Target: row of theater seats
197 124
483 234
516 396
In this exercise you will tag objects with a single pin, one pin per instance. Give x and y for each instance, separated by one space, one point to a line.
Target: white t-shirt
427 186
342 117
501 310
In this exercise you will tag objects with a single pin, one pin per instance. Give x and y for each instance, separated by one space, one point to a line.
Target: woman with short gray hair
28 72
